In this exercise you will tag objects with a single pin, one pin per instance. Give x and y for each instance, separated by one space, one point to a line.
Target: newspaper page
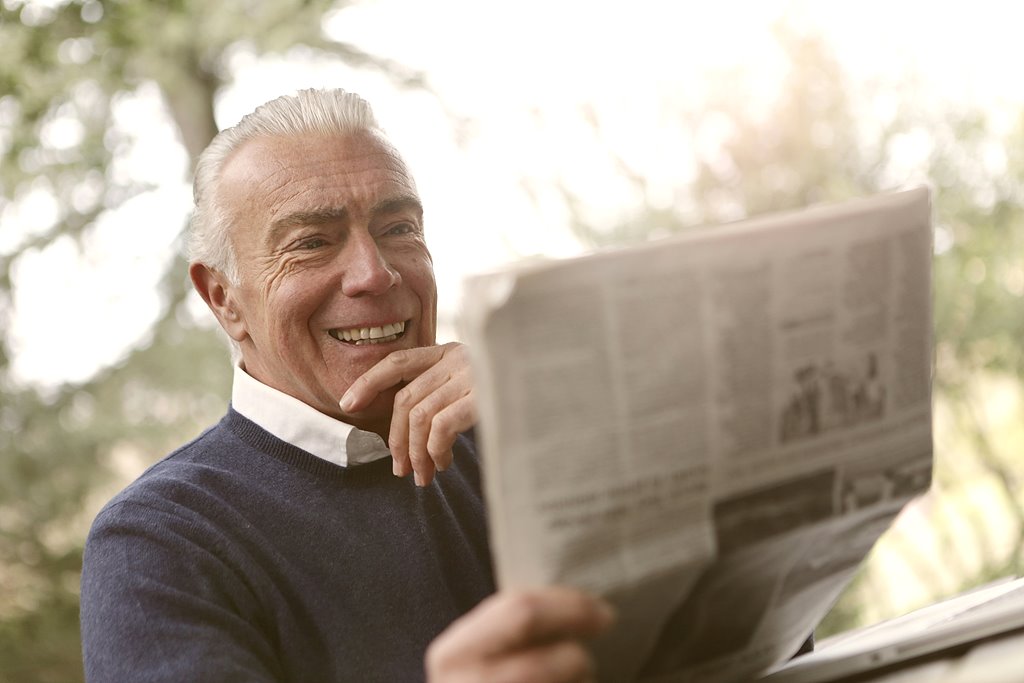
710 430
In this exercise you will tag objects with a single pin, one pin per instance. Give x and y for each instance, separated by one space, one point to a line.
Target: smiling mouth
360 336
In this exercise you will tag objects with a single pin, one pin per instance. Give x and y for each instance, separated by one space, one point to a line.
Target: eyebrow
313 217
397 204
338 214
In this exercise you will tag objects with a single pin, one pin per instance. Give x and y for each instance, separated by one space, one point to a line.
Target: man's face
333 267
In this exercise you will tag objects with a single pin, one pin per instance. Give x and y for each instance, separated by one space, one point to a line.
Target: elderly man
287 542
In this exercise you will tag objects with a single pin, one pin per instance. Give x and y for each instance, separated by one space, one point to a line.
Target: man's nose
367 271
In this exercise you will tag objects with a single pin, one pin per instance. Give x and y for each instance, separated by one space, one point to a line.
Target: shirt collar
301 425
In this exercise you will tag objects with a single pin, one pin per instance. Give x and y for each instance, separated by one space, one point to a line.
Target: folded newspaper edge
711 430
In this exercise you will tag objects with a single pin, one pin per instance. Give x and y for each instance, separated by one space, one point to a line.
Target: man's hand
435 404
530 636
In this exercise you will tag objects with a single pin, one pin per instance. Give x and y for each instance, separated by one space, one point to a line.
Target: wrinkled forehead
267 177
264 163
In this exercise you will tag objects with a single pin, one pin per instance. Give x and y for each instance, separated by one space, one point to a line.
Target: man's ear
217 293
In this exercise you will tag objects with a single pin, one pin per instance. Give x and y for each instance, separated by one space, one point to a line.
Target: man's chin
376 417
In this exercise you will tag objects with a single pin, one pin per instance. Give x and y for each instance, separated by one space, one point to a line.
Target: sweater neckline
260 439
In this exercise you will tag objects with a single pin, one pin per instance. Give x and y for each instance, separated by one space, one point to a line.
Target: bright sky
521 75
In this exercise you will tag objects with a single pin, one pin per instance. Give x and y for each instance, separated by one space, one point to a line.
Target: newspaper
711 430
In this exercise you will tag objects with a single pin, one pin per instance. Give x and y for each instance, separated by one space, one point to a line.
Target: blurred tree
822 140
63 66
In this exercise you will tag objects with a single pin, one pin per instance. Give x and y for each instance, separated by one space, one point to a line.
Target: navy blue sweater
240 557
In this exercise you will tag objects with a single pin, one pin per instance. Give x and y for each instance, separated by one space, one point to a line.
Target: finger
421 405
432 421
398 434
395 368
558 662
512 620
564 661
414 408
446 426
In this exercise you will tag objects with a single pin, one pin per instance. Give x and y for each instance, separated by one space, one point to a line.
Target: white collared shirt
301 425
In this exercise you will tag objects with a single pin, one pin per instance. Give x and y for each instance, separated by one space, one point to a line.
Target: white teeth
370 335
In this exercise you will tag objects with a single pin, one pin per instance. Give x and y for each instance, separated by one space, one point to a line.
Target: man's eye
311 243
401 229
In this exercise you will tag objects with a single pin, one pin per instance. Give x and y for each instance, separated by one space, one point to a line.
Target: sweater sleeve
161 603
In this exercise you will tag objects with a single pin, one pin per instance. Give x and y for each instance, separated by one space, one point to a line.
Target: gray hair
317 112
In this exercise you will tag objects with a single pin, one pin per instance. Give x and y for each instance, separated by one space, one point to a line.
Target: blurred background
538 129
